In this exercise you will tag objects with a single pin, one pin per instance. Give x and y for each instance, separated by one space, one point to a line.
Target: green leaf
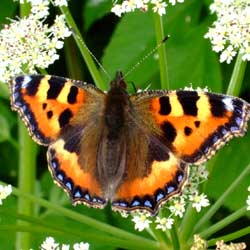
4 91
5 129
8 8
95 10
189 55
229 163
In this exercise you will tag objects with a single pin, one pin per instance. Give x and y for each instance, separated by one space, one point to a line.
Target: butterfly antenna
93 56
148 55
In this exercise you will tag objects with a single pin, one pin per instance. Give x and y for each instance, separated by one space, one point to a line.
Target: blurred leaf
95 10
7 113
8 8
7 238
4 129
190 58
4 91
231 161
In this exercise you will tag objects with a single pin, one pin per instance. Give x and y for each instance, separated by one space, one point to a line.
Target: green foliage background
119 44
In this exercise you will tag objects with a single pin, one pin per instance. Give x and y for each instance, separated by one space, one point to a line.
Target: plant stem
159 32
150 244
175 238
237 76
187 224
83 49
26 180
223 223
229 237
26 168
222 199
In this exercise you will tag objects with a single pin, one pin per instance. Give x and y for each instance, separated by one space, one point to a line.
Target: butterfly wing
193 124
48 103
64 114
172 130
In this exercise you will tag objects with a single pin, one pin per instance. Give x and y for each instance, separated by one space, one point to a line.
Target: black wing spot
32 85
165 107
65 117
56 85
72 95
44 105
169 131
188 101
49 114
217 106
197 124
188 131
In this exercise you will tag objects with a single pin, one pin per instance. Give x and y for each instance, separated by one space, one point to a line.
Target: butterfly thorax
112 148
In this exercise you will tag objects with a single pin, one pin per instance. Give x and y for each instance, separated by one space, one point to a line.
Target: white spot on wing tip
26 80
228 102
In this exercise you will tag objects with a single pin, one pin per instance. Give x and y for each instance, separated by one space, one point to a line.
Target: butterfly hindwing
193 124
78 180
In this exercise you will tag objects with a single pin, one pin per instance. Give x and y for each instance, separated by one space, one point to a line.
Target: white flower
248 202
159 7
41 9
49 244
178 207
164 223
5 191
60 2
141 221
118 9
81 246
28 43
173 2
248 189
65 247
228 54
199 201
230 32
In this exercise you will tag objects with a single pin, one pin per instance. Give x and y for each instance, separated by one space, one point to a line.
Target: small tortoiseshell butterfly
131 150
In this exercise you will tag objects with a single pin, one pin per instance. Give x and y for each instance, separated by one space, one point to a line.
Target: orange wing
48 103
192 124
163 179
69 172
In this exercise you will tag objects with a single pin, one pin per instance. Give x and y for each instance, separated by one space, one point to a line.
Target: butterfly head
118 82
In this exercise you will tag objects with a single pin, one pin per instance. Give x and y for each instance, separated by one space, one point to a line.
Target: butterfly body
131 150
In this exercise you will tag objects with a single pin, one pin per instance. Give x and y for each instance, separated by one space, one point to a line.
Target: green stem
222 199
175 238
83 49
223 223
26 168
229 237
150 244
237 76
94 236
26 181
188 223
159 32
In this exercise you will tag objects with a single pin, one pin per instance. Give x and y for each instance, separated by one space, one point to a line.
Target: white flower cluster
5 191
177 205
230 34
248 199
28 43
158 6
51 244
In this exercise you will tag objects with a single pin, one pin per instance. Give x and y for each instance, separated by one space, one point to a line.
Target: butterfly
130 150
